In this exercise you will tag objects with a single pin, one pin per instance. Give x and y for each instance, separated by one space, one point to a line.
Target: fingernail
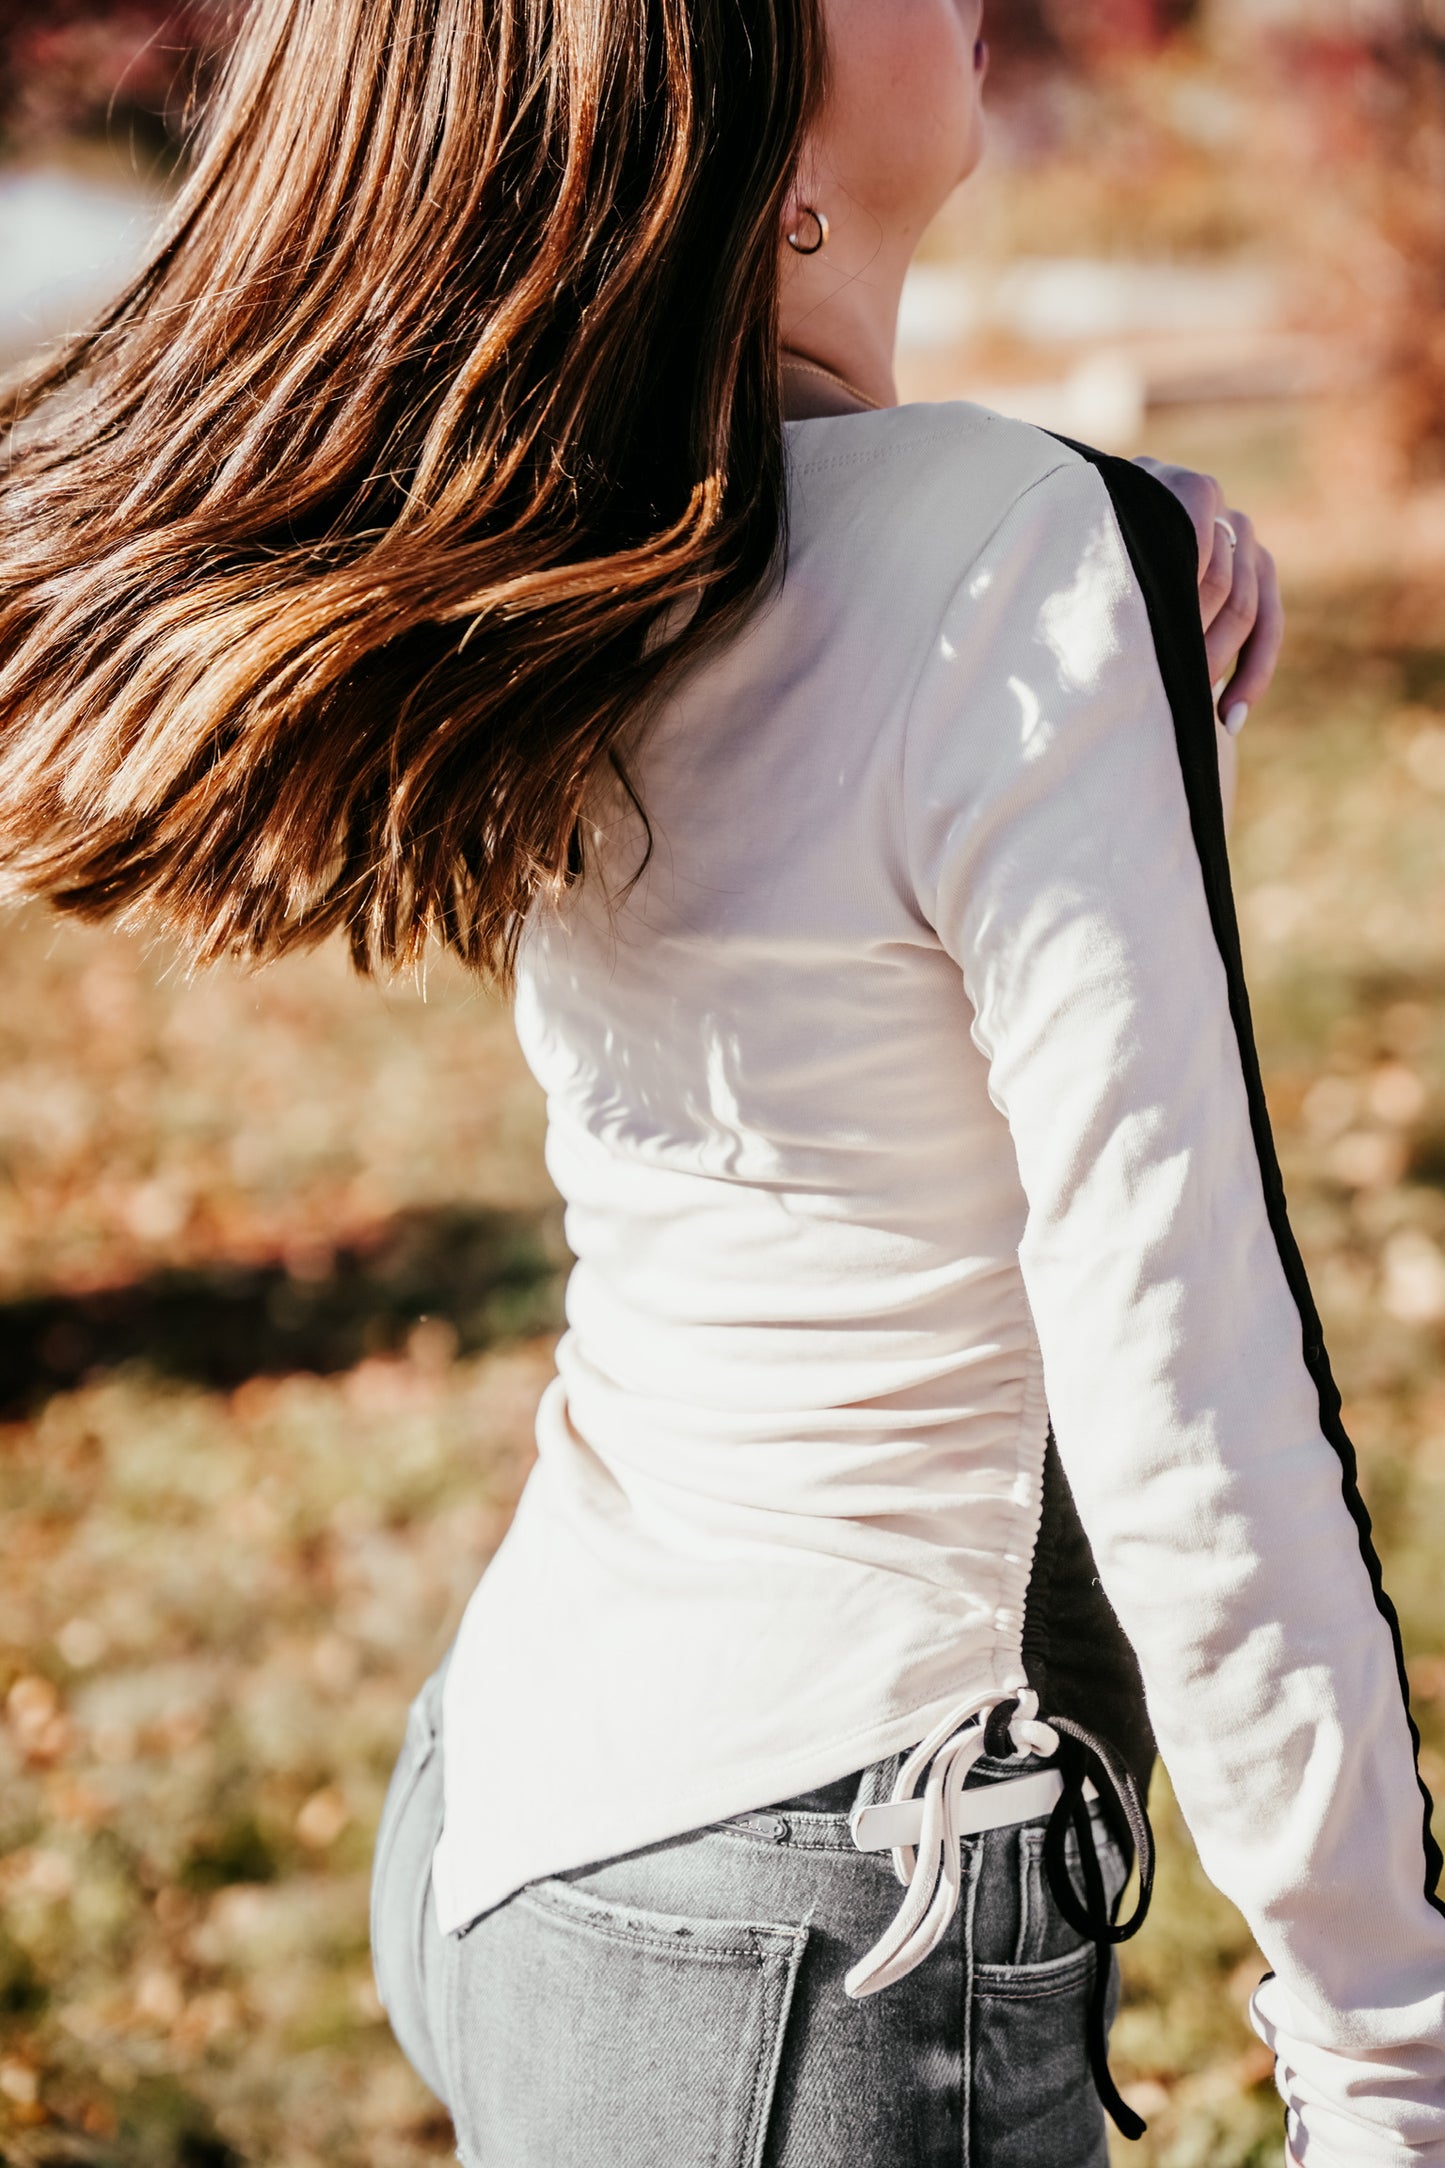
1237 717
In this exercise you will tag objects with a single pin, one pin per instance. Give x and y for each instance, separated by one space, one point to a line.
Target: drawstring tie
932 1873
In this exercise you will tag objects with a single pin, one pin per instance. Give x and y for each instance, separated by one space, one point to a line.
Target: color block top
904 1103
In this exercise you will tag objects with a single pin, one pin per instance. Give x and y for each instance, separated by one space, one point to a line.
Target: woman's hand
1238 593
1239 601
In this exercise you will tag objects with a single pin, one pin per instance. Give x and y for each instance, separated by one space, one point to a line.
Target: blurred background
279 1263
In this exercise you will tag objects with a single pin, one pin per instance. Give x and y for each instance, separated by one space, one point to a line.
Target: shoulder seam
1062 466
866 458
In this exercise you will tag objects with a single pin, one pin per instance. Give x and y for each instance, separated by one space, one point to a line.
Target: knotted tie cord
933 1875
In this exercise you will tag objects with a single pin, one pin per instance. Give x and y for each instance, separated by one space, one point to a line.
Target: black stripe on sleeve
1163 549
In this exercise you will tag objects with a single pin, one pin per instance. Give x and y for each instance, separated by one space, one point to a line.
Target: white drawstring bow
933 1874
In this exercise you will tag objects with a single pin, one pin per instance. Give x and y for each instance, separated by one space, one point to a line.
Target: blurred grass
226 1573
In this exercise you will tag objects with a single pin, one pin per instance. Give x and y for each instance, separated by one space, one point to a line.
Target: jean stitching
1028 1983
839 1843
1031 1897
837 1838
974 1855
753 1943
766 2065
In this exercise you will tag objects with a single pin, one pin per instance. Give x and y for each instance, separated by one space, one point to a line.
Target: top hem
460 1896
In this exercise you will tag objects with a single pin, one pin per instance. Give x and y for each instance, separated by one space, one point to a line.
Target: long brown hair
442 428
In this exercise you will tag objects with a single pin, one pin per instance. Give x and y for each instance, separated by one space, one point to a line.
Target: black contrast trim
1076 1655
1163 549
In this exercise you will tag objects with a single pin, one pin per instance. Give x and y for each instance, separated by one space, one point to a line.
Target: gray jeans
683 2006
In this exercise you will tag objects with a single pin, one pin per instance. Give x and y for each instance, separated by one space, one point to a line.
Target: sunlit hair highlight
440 433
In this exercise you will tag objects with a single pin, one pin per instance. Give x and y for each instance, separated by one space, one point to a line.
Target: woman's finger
1228 631
1255 667
1201 497
1239 597
1216 581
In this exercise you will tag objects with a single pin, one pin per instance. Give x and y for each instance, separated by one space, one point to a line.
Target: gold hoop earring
819 240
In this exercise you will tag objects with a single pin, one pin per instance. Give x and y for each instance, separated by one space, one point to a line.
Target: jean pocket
595 2034
1043 1932
1032 2097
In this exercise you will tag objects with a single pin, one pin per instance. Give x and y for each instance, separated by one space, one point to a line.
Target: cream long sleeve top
907 1103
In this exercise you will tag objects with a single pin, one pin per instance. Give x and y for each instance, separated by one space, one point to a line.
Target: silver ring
1229 530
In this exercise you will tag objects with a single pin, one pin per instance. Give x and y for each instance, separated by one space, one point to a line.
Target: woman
420 550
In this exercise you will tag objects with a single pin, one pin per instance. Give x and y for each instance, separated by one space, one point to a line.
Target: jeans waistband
869 1787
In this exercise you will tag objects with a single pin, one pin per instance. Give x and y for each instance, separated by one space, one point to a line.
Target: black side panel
1075 1652
1161 543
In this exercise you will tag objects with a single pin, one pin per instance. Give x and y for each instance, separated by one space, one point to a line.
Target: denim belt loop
876 1782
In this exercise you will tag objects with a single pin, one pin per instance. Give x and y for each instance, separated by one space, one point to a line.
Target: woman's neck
839 325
